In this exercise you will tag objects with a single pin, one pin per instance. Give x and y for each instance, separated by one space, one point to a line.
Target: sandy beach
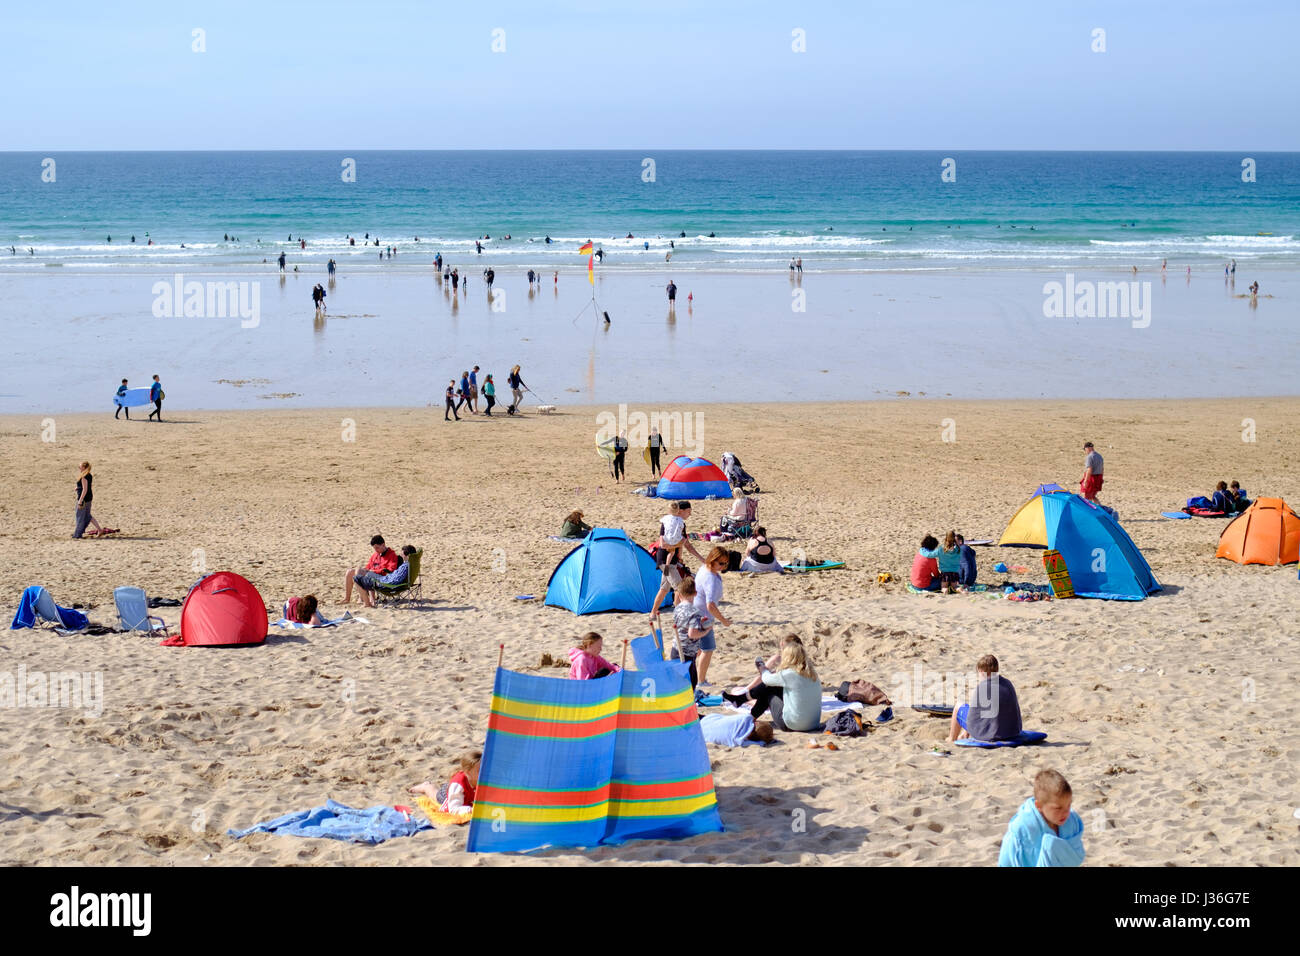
1173 718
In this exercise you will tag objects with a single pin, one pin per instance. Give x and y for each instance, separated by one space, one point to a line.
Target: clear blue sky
1176 74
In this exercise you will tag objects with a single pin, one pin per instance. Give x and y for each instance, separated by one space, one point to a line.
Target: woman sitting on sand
759 554
925 566
302 610
574 526
792 691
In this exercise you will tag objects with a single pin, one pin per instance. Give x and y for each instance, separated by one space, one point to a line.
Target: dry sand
1173 718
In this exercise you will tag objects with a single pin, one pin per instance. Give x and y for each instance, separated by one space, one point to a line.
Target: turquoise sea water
853 210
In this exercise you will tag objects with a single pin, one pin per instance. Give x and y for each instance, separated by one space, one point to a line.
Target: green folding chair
412 589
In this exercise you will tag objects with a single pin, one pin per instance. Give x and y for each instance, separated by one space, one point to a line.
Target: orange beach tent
1268 532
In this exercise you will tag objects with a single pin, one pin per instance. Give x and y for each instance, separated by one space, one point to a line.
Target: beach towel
430 809
1174 514
556 537
347 616
37 604
1021 739
1029 840
334 821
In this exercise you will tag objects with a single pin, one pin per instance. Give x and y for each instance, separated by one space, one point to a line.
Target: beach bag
844 723
733 560
862 692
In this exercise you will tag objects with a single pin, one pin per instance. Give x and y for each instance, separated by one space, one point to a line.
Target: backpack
845 723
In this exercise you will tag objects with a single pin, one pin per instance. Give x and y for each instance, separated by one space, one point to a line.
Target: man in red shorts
1090 484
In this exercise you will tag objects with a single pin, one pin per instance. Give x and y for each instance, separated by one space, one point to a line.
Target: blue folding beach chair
133 611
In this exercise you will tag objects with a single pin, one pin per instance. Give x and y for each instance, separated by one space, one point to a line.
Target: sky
689 74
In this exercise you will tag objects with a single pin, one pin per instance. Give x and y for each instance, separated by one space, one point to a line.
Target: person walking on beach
464 392
330 268
490 275
655 444
282 262
1092 478
451 402
473 390
85 494
617 467
455 279
672 295
489 393
121 392
318 297
517 386
156 396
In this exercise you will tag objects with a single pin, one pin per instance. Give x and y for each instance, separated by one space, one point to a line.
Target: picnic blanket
334 821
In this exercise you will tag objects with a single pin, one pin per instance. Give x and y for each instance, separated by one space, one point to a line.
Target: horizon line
631 149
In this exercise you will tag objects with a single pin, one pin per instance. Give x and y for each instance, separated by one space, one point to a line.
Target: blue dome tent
1102 559
607 572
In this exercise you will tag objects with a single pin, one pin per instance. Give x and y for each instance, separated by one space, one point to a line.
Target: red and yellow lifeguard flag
585 250
591 269
588 762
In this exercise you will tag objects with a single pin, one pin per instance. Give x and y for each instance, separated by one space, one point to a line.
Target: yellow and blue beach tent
1102 559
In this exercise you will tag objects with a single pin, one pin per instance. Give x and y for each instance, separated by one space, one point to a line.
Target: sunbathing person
994 710
925 566
367 582
793 692
302 610
760 555
735 730
574 526
384 561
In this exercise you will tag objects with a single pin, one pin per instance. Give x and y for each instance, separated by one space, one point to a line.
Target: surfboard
133 397
605 449
826 566
1058 576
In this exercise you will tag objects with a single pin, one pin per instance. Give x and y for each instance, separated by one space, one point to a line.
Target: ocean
1016 280
723 210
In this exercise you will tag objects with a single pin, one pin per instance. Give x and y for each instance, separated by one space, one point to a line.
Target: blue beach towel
1019 740
334 821
1029 841
37 604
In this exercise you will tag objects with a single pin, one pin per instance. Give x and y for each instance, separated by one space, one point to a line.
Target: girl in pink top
585 659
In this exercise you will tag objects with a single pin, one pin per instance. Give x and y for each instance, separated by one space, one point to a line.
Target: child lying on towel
456 796
735 730
1044 831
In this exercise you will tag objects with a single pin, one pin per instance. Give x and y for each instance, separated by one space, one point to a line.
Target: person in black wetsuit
620 452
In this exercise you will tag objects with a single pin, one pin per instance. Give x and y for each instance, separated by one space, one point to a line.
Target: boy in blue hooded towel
1044 831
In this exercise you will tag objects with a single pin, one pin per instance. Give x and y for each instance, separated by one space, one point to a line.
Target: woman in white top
793 692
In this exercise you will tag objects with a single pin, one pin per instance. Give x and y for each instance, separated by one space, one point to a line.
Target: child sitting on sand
1239 500
691 624
457 795
302 610
1044 831
994 710
585 660
574 526
949 560
925 566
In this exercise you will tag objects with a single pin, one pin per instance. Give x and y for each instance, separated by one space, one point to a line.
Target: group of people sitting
1228 498
946 569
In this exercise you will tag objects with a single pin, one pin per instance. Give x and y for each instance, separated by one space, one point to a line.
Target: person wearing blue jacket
156 396
966 573
1044 831
121 394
